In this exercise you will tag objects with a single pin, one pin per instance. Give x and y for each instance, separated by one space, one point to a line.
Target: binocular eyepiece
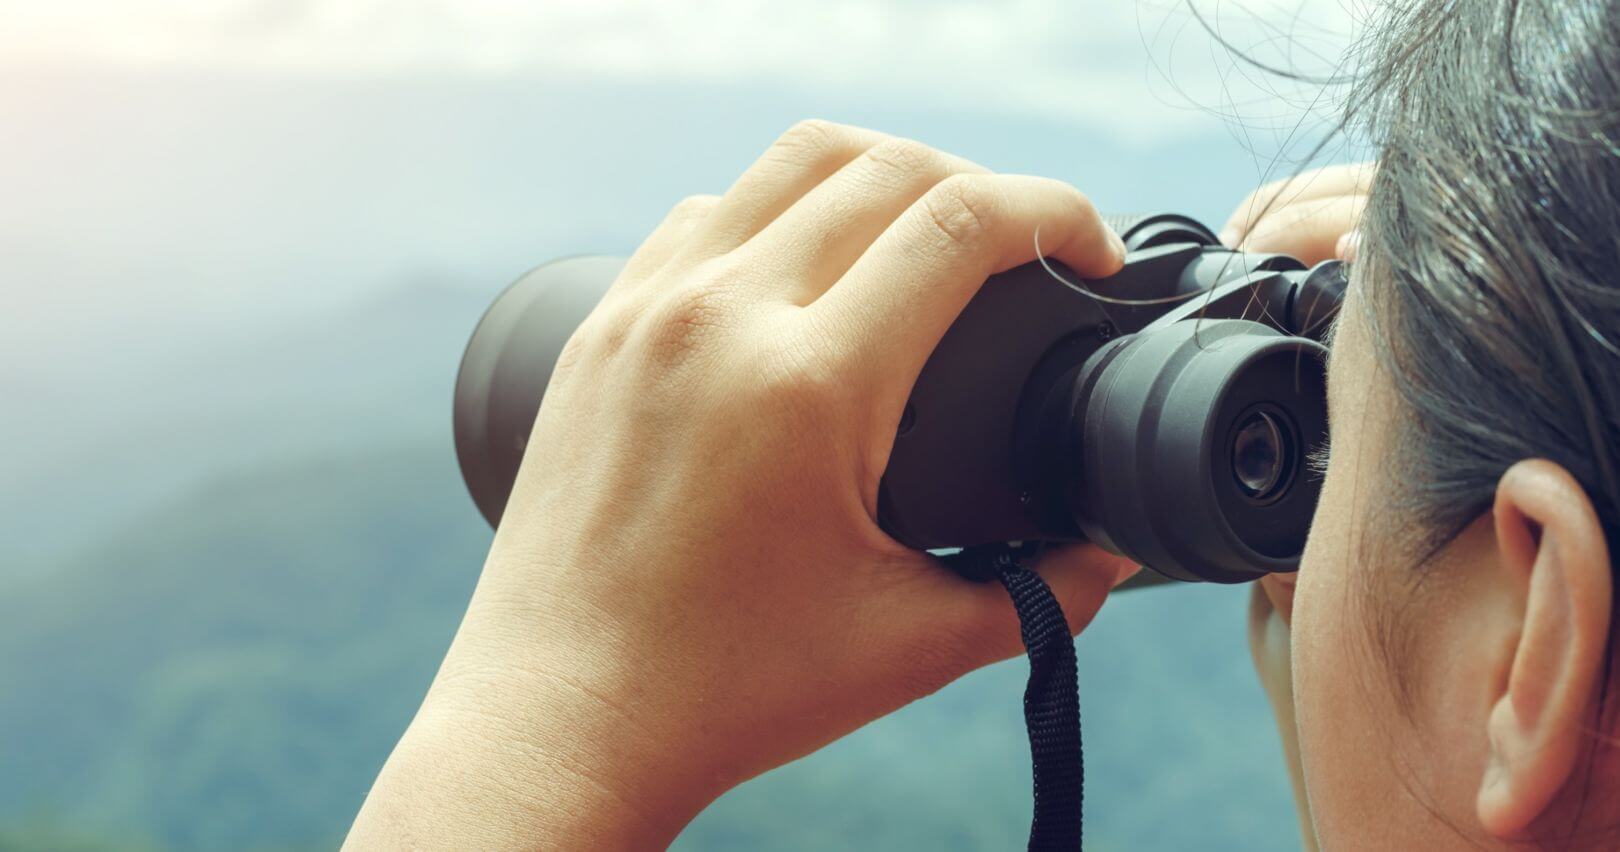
1164 412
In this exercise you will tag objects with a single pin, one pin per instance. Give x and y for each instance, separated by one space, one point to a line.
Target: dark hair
1491 254
1492 244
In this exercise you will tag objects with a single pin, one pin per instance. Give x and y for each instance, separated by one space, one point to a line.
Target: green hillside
230 672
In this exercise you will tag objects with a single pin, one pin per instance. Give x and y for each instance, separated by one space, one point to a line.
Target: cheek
1345 713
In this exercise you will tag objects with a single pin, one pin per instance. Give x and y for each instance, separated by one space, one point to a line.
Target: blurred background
242 243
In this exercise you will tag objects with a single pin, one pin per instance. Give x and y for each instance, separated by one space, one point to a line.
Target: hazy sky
191 183
1081 60
228 141
236 234
133 131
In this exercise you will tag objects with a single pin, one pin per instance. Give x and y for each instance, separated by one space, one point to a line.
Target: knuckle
961 209
905 156
601 334
813 140
1251 208
683 321
693 206
574 351
1278 193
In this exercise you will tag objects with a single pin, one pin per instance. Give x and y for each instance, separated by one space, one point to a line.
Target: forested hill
230 672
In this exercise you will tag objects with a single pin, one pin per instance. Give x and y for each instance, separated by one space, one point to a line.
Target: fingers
1308 230
667 238
1080 577
941 626
1348 246
822 234
803 157
1349 179
1279 591
1077 572
899 297
1269 647
1260 610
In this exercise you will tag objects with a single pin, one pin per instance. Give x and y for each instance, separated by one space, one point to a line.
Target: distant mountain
234 544
156 328
231 671
379 372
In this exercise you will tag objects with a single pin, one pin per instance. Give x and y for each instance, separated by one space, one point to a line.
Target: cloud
1118 63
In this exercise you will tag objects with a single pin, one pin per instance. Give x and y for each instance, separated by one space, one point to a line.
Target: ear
1552 549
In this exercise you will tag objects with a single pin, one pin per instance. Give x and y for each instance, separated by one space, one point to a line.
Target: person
690 587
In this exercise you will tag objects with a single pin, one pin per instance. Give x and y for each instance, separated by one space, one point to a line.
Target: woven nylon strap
1051 706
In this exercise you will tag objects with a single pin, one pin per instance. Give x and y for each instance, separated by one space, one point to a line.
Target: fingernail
1229 237
1349 246
1119 244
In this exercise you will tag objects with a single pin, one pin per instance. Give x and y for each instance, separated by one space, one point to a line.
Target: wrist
525 758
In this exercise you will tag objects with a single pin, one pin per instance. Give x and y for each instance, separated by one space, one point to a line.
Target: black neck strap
1051 699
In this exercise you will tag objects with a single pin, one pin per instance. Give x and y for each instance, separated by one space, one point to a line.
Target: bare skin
1508 629
1311 217
690 586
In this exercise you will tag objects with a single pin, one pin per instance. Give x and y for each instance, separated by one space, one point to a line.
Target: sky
1082 61
100 98
186 184
238 234
118 105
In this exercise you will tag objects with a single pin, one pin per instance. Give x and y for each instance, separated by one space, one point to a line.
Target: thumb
1080 577
949 625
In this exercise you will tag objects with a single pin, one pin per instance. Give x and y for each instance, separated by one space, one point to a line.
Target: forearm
523 760
690 585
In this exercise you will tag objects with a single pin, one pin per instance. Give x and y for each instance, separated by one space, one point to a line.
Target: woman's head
1452 626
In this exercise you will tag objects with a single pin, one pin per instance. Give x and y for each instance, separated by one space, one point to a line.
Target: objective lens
1261 456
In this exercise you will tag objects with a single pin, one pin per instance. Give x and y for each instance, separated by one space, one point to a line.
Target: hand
690 586
1313 217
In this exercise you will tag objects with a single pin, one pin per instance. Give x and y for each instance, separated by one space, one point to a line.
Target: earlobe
1551 544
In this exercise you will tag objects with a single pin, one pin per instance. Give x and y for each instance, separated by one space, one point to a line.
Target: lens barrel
1191 440
1171 428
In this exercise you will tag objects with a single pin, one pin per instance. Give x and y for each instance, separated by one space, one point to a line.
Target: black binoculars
1164 412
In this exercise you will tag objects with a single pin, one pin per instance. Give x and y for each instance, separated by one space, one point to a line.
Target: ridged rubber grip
1146 231
1123 223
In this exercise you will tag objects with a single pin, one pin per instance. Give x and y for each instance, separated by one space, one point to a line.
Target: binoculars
1164 412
